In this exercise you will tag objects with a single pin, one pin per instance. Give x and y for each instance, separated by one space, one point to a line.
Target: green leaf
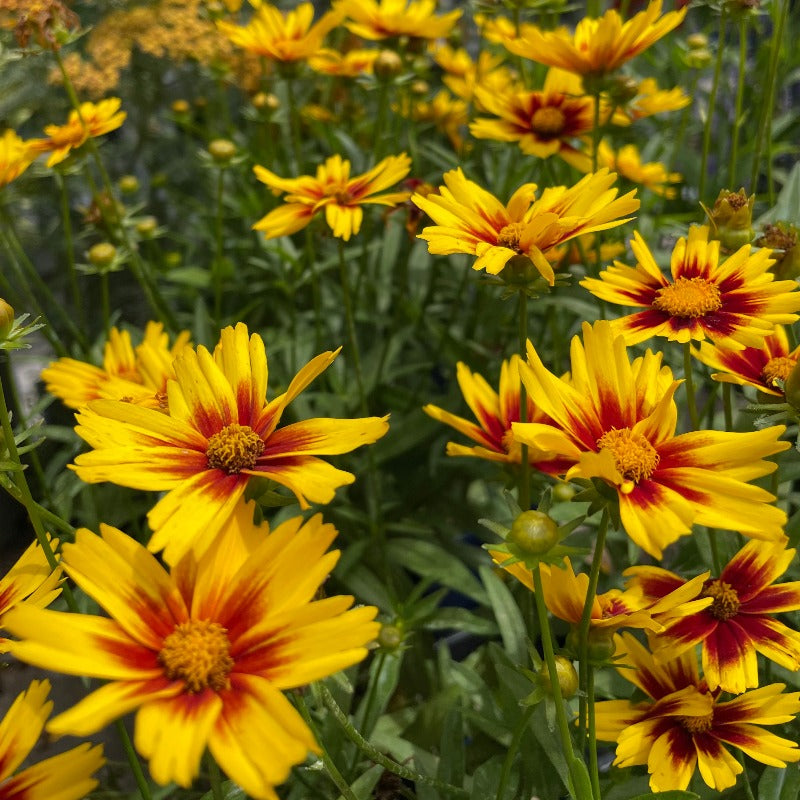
362 787
508 616
452 755
788 202
486 780
779 783
384 674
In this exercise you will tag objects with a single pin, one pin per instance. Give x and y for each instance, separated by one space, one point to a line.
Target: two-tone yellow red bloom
202 653
218 433
627 162
597 46
565 596
735 303
650 100
88 122
495 411
615 420
333 191
281 36
471 220
543 123
740 621
67 776
138 375
682 726
16 155
760 367
29 581
387 18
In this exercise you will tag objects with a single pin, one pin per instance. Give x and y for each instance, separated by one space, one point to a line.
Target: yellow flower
29 581
627 162
16 156
347 65
138 375
335 192
501 30
447 113
463 75
471 220
736 303
202 653
597 46
67 776
386 18
543 123
89 122
282 37
615 420
649 100
218 434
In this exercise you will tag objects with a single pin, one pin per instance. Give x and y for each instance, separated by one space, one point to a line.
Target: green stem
524 463
69 246
712 99
215 777
691 400
770 84
594 771
511 753
133 760
586 621
716 563
216 271
552 671
739 100
331 768
376 756
293 127
351 329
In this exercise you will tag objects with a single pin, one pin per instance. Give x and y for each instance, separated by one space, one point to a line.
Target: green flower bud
6 318
534 532
698 58
146 226
222 150
390 637
387 65
563 492
567 678
600 643
102 254
732 219
128 184
697 41
180 107
782 238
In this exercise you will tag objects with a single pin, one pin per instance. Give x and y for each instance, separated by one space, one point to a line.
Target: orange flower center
509 236
701 724
198 652
343 197
688 297
777 369
548 121
726 600
234 448
635 458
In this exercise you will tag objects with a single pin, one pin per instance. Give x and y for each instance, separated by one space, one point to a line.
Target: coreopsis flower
495 411
764 368
735 303
615 420
471 220
383 19
333 191
565 596
29 581
202 653
138 375
650 100
88 122
682 726
543 123
628 163
344 65
16 155
462 74
280 36
501 30
597 46
583 251
740 621
447 113
66 776
218 433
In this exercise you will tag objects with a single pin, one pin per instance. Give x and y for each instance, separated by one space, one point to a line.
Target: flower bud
265 101
102 254
563 492
567 678
782 239
222 150
390 637
128 184
146 226
697 41
732 219
420 87
387 65
698 58
533 532
622 89
6 318
791 387
180 107
600 643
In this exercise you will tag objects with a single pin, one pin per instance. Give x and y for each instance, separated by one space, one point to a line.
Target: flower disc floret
688 297
198 652
726 600
548 121
777 369
635 457
234 448
701 724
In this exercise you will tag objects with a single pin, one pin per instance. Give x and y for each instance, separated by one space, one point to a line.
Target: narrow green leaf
508 616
